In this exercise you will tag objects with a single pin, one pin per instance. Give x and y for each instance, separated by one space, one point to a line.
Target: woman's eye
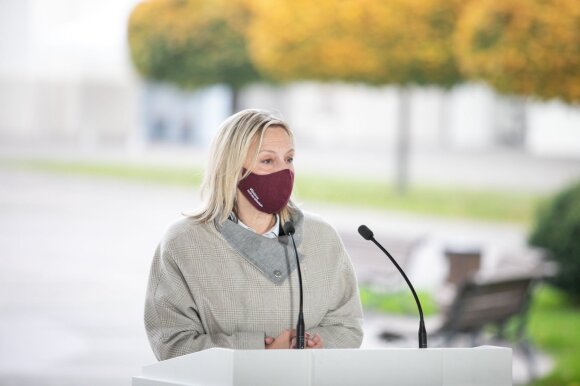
266 161
290 160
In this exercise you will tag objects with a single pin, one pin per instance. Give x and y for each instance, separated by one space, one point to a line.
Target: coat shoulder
184 229
314 221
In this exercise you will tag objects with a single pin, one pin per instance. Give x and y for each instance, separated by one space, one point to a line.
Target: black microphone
367 234
300 333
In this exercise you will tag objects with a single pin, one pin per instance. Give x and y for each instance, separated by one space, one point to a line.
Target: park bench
487 310
493 310
481 304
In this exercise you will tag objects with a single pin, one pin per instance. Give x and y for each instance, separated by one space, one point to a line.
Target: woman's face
276 153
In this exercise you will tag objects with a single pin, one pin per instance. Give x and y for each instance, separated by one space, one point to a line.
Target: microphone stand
367 234
300 329
300 333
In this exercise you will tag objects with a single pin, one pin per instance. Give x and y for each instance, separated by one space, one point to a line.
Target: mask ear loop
245 173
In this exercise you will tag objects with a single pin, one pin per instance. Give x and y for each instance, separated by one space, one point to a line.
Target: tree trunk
511 121
402 146
522 121
235 99
444 121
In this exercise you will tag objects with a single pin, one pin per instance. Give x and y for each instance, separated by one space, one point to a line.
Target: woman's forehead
274 138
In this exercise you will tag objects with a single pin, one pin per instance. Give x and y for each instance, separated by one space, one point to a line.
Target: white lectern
486 365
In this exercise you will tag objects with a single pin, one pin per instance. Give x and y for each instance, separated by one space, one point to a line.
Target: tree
400 42
524 47
192 43
377 42
557 229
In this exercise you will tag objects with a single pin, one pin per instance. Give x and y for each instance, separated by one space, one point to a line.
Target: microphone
367 234
300 333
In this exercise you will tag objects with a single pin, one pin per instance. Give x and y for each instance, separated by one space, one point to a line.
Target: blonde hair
228 152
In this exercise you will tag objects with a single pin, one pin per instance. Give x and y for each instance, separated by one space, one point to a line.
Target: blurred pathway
75 256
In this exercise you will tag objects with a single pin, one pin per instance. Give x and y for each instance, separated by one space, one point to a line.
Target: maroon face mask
268 193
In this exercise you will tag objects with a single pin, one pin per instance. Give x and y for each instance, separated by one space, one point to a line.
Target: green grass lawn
181 176
445 202
555 328
399 303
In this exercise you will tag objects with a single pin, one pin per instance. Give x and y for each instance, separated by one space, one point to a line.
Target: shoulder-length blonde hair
227 154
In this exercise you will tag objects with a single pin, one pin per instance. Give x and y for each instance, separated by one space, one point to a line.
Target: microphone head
289 228
365 232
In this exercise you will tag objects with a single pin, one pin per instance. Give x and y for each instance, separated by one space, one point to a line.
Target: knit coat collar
274 258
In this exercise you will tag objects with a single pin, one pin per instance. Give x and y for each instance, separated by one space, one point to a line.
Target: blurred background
451 128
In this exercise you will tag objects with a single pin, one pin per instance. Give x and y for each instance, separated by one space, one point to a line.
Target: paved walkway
75 255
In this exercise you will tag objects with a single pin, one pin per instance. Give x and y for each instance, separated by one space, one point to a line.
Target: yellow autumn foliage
374 41
527 47
191 43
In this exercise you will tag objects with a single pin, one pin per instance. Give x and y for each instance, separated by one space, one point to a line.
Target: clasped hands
287 339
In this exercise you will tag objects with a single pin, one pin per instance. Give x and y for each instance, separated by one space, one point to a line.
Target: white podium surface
486 365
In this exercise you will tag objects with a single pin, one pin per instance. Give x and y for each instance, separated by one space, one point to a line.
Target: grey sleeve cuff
250 340
339 336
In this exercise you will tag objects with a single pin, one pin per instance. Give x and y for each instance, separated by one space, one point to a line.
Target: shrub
557 229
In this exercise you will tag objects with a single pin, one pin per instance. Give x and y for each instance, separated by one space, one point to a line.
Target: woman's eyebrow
274 152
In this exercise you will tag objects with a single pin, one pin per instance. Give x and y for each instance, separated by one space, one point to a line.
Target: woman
226 277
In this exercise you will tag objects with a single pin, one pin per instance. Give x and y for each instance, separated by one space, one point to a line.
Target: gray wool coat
221 285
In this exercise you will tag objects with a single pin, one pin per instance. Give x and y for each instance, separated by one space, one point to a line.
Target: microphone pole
300 330
367 234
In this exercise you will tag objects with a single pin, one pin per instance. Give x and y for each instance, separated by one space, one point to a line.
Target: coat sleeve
172 320
341 327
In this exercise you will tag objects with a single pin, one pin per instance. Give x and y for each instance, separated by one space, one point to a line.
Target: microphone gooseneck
367 234
300 329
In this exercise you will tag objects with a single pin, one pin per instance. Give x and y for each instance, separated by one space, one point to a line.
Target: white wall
554 130
65 73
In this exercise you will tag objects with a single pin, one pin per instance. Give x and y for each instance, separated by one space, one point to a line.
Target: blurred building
65 77
469 117
64 73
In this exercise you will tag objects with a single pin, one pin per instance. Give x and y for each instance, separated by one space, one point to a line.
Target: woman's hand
310 341
287 339
313 341
282 341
